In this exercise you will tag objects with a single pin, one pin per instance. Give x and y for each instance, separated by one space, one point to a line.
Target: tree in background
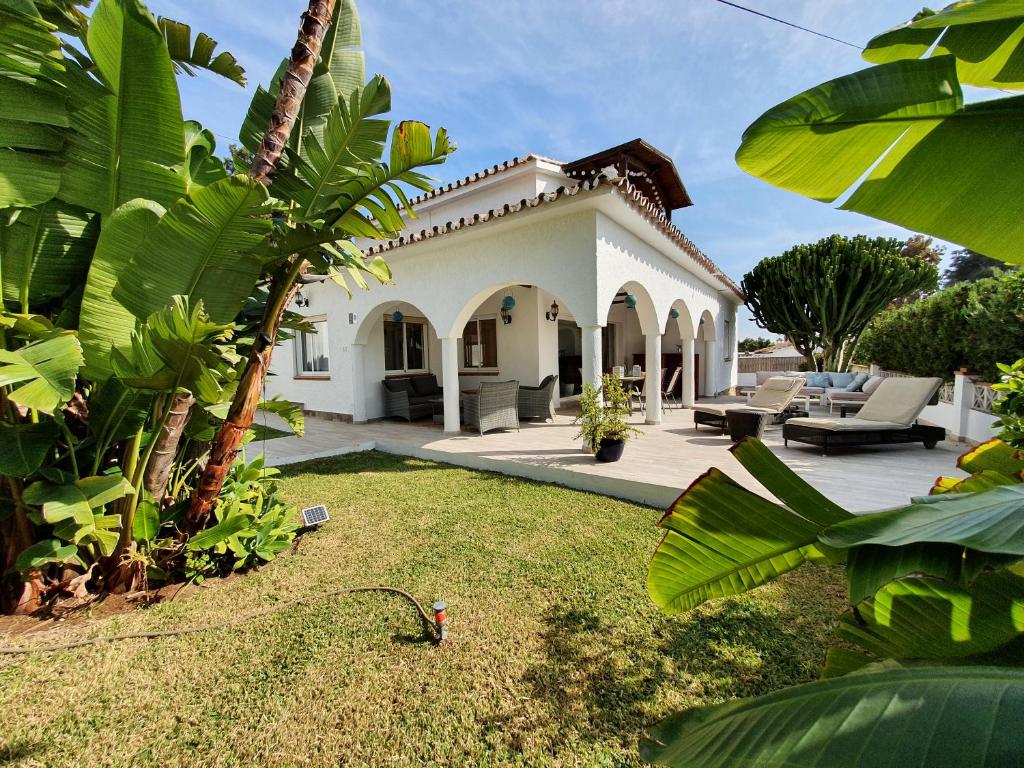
823 295
752 345
967 266
923 248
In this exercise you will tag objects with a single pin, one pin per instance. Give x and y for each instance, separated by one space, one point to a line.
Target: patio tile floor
655 467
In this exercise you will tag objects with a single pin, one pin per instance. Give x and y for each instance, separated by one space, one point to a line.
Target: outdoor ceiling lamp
630 301
397 315
552 314
507 304
673 313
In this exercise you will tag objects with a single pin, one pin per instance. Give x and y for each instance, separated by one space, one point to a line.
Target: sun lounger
773 397
889 416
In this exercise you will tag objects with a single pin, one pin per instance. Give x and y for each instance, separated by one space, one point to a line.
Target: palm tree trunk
224 449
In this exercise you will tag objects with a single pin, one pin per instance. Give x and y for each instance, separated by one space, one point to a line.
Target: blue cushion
840 379
858 382
817 379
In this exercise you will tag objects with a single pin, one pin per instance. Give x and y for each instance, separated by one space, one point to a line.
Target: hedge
968 325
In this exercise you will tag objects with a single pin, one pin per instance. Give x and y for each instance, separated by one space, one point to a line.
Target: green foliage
253 525
1010 405
968 325
900 135
603 413
966 266
823 295
878 717
938 581
752 345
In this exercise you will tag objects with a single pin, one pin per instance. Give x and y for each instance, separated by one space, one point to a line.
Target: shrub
968 325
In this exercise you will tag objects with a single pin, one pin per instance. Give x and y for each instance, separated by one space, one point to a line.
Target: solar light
313 516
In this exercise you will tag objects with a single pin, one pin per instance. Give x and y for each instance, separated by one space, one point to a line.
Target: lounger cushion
846 425
720 409
899 400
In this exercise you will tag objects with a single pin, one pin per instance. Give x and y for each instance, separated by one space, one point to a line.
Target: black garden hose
428 622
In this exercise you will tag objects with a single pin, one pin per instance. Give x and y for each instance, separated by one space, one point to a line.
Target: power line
788 23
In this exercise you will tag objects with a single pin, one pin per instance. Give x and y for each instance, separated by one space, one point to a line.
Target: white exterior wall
570 250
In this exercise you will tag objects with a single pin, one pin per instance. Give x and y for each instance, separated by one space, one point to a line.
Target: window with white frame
480 343
405 345
311 355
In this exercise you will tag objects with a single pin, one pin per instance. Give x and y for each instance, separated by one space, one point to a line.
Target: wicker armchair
494 406
402 401
535 402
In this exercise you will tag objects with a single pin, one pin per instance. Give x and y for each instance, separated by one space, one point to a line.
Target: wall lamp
301 300
507 305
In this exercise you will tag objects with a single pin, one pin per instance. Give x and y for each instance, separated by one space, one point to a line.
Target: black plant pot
610 450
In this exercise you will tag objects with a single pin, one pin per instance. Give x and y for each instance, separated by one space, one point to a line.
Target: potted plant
603 425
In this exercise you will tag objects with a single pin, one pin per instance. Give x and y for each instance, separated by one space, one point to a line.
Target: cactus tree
824 294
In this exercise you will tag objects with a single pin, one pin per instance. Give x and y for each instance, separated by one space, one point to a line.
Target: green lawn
556 656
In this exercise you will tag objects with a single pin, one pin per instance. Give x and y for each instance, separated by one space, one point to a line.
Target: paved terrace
655 468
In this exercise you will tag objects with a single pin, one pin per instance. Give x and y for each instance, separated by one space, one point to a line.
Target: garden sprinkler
441 621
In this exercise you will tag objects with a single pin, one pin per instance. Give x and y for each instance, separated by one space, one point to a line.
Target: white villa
530 268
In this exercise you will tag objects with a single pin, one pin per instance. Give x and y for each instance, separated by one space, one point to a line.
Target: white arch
369 319
685 323
471 304
646 311
707 325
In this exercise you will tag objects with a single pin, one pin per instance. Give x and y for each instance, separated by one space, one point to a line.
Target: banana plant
325 164
900 134
939 581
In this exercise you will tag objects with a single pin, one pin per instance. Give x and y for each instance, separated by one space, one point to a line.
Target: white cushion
844 425
899 400
776 393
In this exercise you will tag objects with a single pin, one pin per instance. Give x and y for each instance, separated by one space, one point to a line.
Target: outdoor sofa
824 384
493 406
889 416
411 397
772 397
535 402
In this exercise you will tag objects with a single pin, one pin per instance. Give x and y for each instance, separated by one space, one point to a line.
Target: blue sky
565 78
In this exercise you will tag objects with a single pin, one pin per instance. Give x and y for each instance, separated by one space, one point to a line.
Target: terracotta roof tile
629 193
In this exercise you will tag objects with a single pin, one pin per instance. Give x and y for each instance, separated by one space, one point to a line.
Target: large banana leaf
176 350
188 56
43 373
985 36
992 521
363 205
905 125
331 156
104 323
128 134
71 508
922 617
24 447
202 167
723 539
202 248
946 716
45 252
33 108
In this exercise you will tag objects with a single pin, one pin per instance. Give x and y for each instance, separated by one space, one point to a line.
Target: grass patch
556 656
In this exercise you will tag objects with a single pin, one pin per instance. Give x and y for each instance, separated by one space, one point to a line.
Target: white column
450 383
652 384
358 384
963 400
592 365
688 397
